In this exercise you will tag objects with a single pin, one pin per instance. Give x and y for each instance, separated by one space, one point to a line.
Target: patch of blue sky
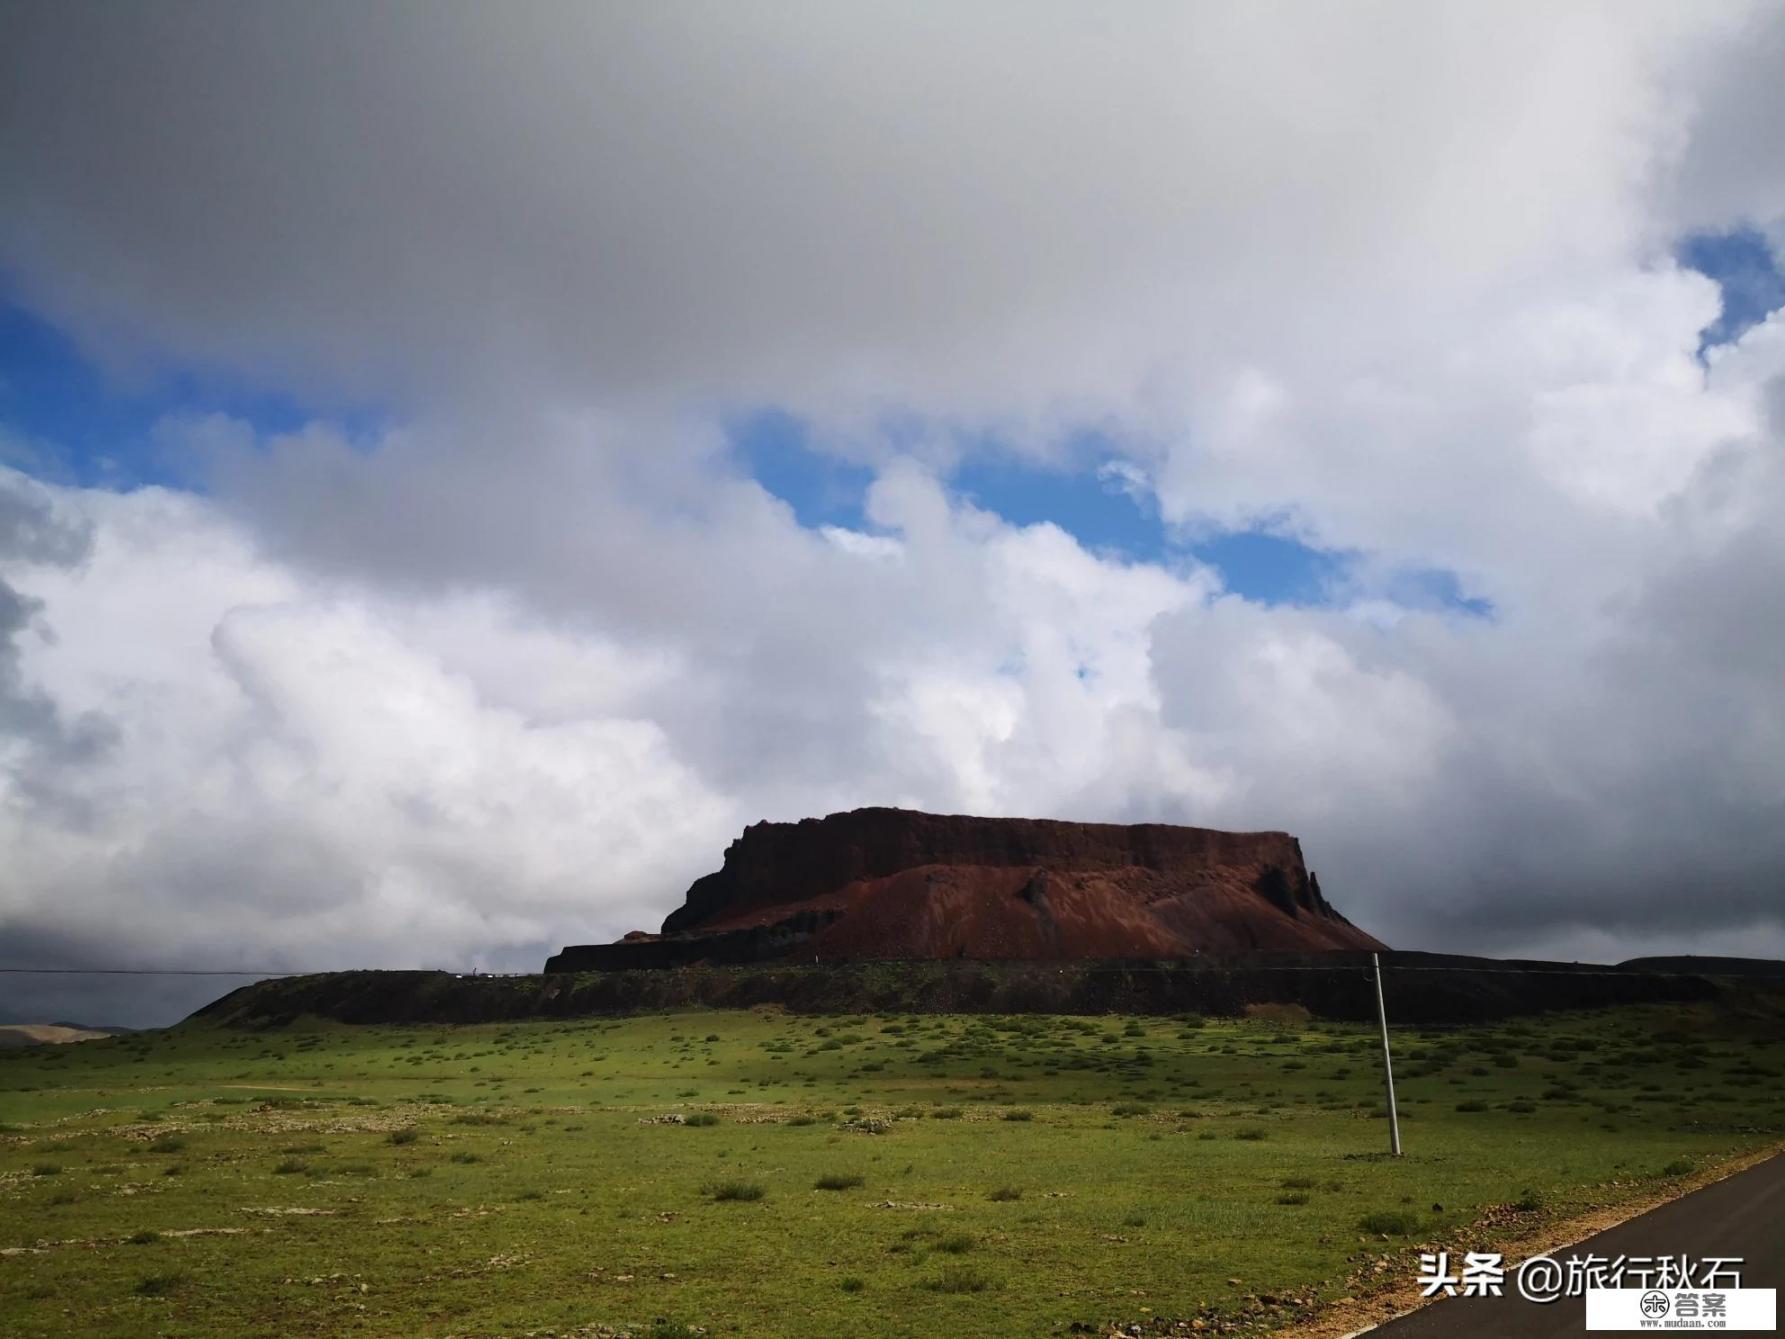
776 449
1081 497
1271 568
1092 502
69 420
1434 589
1743 265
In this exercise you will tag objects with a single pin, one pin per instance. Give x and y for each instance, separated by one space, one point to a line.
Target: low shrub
958 1279
1388 1223
747 1192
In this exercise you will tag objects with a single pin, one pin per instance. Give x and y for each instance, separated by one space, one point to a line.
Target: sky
459 464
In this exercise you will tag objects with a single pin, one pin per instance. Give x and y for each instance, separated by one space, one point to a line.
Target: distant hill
1705 966
1422 988
52 1034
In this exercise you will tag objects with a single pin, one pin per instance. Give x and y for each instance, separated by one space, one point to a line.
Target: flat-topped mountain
895 883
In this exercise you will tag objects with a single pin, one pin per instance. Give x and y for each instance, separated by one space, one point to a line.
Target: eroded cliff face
895 883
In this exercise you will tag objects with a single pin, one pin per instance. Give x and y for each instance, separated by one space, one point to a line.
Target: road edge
1348 1318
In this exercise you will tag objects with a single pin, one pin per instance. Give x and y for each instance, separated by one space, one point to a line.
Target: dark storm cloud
1000 210
103 999
38 741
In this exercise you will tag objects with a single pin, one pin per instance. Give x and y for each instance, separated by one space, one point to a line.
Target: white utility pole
1388 1067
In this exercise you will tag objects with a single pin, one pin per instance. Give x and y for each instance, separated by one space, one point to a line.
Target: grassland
755 1173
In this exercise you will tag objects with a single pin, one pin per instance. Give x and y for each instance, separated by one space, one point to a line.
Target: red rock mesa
894 883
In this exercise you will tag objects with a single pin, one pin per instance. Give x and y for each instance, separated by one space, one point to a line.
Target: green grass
868 1175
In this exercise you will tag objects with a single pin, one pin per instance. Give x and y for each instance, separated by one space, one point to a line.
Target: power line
141 971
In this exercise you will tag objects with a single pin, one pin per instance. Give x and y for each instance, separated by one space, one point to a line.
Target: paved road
1743 1215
